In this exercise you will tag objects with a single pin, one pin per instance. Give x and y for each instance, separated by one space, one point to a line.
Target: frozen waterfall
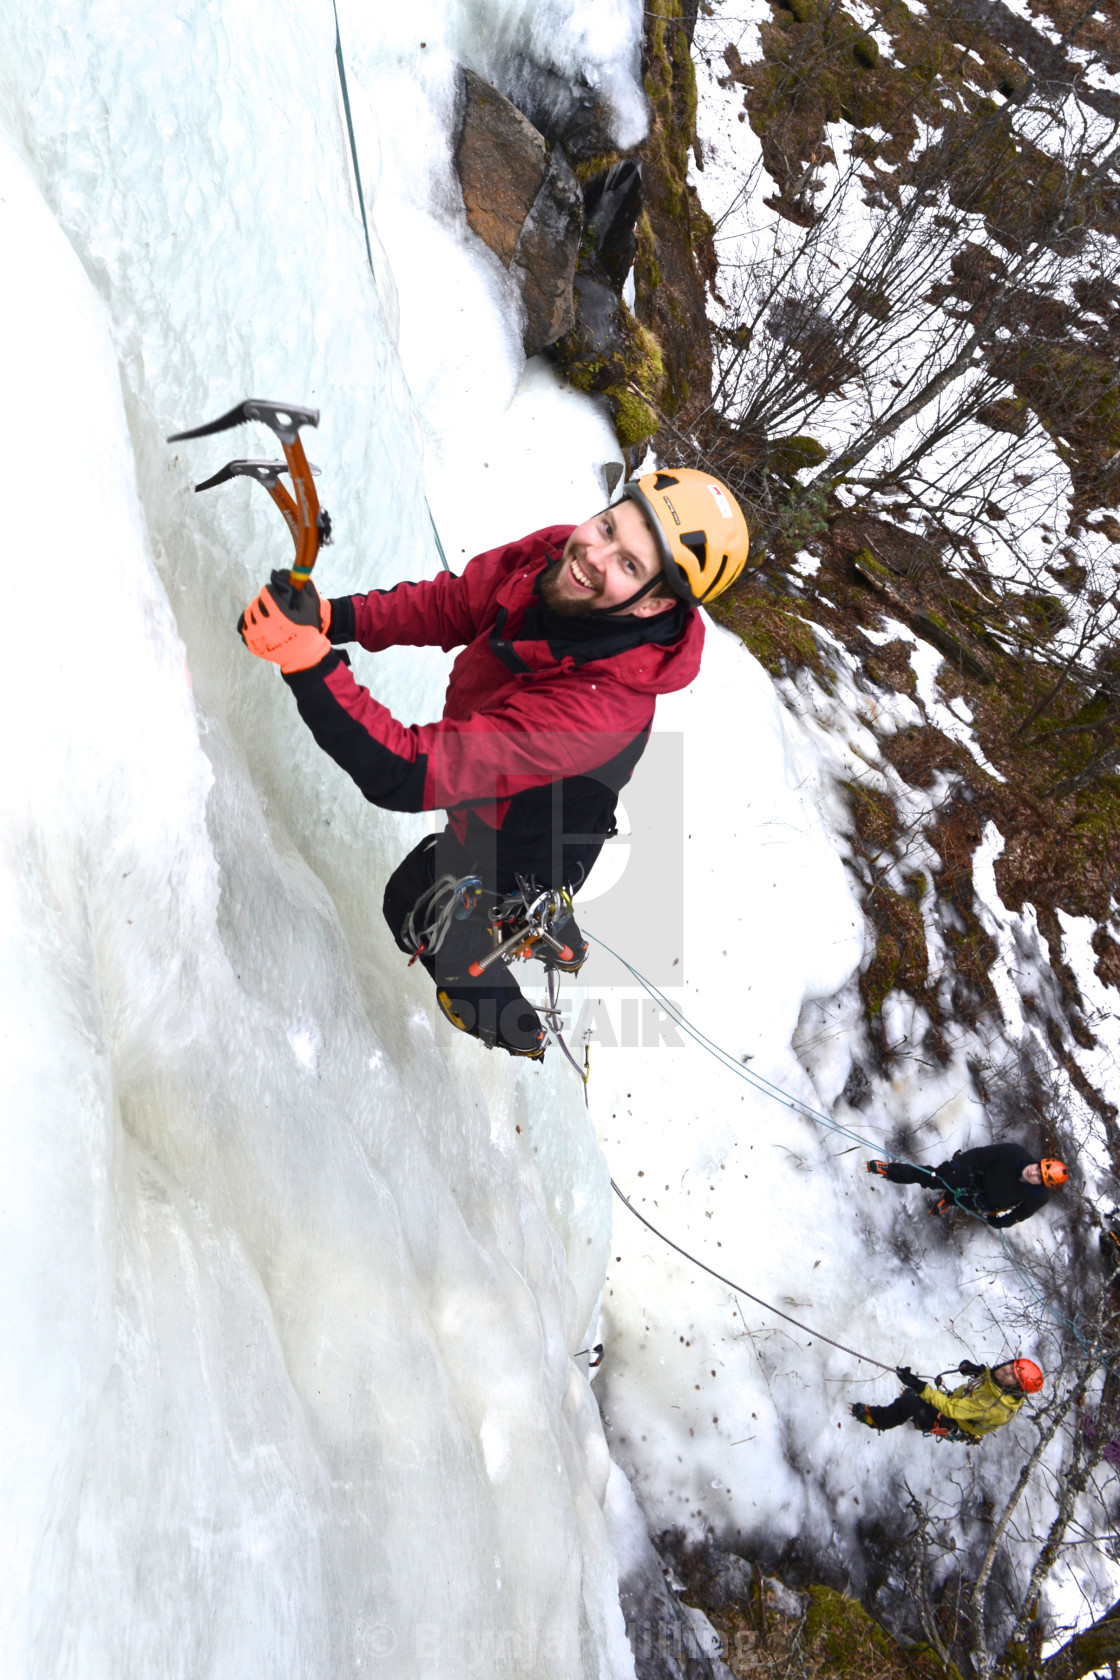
291 1293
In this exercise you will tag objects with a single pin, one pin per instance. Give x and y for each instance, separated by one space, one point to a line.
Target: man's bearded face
605 563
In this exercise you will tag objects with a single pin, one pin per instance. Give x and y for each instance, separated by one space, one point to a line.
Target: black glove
302 606
908 1380
968 1369
299 606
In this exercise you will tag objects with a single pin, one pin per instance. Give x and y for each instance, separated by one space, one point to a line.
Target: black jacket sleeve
362 737
1015 1215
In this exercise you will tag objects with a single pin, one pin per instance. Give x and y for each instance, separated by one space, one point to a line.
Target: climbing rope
341 63
738 1287
552 1021
448 899
767 1088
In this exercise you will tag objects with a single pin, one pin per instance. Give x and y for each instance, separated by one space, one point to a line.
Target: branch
1096 767
980 1644
960 365
1086 1651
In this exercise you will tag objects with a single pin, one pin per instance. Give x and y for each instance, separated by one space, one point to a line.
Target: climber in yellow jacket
989 1399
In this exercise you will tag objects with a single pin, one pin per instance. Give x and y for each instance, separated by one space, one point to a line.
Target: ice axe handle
307 511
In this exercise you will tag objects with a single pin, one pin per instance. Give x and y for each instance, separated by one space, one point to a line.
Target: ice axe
308 523
268 473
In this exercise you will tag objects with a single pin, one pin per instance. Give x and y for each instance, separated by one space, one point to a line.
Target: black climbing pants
493 1007
908 1408
954 1182
901 1172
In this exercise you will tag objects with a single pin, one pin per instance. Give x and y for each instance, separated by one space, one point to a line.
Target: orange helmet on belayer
698 526
1054 1173
1027 1375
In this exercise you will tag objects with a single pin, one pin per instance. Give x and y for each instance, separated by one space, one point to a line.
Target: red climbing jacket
544 719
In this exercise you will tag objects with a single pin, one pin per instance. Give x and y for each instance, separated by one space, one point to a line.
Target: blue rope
776 1094
340 61
350 131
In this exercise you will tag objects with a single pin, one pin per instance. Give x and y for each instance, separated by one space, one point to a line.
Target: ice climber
989 1399
1002 1182
568 637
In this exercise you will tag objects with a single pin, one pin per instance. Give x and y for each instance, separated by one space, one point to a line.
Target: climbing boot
862 1413
532 1049
449 1009
533 1053
567 965
879 1168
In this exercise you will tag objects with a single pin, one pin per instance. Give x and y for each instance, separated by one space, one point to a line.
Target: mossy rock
867 562
1094 712
634 420
865 51
874 814
901 955
842 1631
1006 414
1048 612
795 454
1098 807
611 353
779 640
647 271
839 1630
918 883
588 168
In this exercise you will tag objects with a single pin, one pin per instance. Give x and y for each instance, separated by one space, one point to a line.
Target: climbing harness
944 1429
309 524
428 922
526 924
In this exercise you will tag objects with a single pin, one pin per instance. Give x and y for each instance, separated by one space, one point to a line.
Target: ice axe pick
308 523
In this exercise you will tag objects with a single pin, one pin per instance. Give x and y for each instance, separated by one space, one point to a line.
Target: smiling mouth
580 578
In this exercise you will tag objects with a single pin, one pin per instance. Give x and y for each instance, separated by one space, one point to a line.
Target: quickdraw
526 924
308 523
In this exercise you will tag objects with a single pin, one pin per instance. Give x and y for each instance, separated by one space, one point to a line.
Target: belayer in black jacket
1002 1182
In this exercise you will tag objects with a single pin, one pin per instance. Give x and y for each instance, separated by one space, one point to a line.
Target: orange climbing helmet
1027 1375
699 529
1054 1173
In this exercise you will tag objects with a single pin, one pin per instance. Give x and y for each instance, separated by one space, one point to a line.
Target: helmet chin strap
624 606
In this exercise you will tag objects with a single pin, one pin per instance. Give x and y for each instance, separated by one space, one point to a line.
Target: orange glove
286 625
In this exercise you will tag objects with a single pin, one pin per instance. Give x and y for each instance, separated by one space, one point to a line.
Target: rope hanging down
775 1092
339 60
865 1358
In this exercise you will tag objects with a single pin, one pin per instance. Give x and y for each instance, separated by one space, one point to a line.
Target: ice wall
291 1290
